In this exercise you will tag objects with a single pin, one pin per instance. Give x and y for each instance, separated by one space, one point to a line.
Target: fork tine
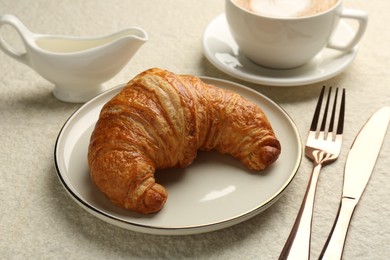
316 115
331 124
340 125
326 111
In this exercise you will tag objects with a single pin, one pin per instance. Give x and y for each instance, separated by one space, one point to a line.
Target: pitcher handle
362 18
24 34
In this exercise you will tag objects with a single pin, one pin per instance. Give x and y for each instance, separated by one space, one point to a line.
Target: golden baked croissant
160 120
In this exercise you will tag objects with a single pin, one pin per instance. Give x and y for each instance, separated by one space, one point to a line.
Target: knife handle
334 245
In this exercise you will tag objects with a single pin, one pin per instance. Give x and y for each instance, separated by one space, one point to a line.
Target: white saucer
222 51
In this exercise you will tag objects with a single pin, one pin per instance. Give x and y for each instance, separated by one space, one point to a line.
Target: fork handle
334 245
298 242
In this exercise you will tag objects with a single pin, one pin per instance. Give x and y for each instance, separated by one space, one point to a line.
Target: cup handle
362 19
23 32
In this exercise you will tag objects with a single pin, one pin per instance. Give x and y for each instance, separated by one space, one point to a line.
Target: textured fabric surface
38 220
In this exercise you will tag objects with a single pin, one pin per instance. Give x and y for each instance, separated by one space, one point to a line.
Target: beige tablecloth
38 220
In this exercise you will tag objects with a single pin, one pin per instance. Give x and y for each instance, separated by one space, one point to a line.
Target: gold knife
358 168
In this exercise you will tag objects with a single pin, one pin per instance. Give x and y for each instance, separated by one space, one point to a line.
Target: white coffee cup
281 42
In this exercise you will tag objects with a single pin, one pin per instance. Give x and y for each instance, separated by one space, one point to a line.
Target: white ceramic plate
222 51
215 192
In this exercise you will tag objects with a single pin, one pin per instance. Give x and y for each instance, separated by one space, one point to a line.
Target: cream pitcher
76 66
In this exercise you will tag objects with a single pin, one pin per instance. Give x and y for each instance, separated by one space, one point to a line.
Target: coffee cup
276 35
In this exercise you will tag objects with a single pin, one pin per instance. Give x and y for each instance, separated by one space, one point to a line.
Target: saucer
222 51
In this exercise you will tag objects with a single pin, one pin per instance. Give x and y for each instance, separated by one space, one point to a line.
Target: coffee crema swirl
286 8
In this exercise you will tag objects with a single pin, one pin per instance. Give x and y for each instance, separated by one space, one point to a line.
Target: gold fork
323 147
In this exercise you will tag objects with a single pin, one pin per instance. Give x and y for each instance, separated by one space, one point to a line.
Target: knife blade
360 163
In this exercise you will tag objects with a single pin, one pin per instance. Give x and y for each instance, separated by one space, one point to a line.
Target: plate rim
273 81
183 230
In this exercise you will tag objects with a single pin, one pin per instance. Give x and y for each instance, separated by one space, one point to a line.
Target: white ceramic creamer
76 66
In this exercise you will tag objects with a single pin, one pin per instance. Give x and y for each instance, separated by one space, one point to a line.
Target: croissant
159 120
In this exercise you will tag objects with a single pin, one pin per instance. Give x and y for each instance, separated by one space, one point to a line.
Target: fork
322 147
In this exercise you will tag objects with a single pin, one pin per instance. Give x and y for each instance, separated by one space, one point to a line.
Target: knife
358 168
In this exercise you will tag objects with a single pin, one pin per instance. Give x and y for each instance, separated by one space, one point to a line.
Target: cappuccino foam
286 8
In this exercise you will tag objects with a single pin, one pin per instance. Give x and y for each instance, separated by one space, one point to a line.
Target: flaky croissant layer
159 120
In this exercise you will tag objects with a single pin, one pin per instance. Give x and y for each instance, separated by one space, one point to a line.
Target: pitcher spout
121 47
133 34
